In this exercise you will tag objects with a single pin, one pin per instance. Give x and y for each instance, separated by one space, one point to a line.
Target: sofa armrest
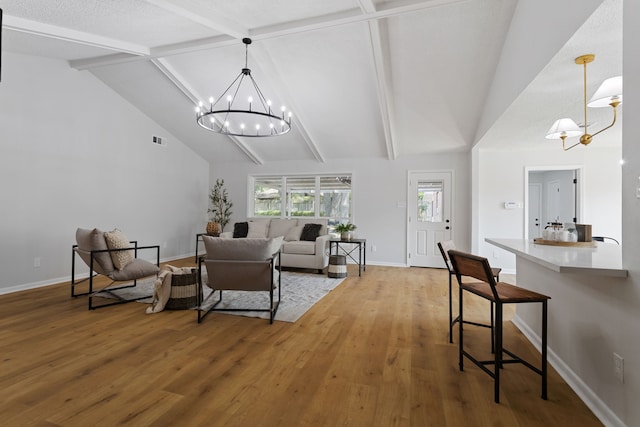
322 244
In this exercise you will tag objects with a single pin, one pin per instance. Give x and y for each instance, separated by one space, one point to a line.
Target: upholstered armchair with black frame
240 265
112 255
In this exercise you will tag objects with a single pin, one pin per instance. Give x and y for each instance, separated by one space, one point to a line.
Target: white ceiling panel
330 75
441 76
142 84
364 78
136 21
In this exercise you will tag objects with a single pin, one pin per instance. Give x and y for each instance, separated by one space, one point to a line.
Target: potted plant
221 210
345 230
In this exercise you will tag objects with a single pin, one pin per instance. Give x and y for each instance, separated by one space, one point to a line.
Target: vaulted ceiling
364 78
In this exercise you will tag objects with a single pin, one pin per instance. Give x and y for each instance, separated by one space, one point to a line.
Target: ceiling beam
184 87
383 73
60 33
294 27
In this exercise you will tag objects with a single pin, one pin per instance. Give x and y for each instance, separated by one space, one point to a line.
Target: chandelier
608 95
228 115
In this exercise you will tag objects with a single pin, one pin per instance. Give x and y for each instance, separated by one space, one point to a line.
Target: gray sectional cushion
257 249
299 248
93 240
281 226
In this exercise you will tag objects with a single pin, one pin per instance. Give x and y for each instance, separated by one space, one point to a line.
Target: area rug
300 291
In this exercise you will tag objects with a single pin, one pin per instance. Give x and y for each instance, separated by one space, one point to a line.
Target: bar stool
444 247
499 293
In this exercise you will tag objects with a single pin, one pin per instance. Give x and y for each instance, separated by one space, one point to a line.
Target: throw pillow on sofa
310 232
240 229
293 235
258 228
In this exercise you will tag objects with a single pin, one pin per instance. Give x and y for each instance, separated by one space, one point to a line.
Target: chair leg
493 342
460 333
498 352
544 350
450 312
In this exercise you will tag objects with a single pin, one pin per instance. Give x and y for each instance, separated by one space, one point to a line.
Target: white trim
591 399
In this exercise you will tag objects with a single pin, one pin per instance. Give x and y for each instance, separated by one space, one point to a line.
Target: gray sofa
295 252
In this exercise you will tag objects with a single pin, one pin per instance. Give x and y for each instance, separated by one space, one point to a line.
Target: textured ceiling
364 78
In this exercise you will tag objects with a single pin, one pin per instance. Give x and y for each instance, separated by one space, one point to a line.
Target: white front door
429 217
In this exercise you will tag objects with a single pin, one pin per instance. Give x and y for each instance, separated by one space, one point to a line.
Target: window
301 196
430 201
318 196
267 195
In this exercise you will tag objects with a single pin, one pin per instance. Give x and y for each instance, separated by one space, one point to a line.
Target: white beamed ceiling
364 78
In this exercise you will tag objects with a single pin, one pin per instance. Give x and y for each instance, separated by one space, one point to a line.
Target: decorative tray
541 241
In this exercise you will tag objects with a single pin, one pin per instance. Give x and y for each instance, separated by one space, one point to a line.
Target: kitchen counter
603 260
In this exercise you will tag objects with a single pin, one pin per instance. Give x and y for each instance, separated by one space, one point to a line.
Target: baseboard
58 280
387 264
591 399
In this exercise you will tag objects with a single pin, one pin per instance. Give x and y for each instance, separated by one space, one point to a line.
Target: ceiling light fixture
256 119
609 94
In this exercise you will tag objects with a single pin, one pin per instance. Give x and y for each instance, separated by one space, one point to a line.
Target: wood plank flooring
373 352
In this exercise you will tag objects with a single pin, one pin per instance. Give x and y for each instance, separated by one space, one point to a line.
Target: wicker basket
184 291
337 266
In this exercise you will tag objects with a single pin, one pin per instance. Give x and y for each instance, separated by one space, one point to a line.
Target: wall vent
159 140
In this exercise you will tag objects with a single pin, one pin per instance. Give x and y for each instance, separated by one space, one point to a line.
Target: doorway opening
552 194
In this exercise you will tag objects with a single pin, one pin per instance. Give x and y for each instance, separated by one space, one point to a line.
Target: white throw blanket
162 287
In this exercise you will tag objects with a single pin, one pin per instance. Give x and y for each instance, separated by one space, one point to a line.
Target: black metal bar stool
444 247
499 293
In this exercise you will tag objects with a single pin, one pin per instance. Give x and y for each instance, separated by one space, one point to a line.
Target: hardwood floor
373 352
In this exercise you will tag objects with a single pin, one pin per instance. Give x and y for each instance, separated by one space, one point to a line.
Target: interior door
535 211
429 216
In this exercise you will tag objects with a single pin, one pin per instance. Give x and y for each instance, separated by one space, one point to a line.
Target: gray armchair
240 265
112 255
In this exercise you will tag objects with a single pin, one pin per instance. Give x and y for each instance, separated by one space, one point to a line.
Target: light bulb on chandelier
231 120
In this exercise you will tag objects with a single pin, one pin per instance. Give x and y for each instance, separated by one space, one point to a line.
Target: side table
360 245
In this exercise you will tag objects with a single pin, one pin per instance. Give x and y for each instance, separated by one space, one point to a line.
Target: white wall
601 189
75 154
625 300
378 186
521 59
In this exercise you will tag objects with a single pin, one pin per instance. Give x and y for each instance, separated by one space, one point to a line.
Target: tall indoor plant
221 208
